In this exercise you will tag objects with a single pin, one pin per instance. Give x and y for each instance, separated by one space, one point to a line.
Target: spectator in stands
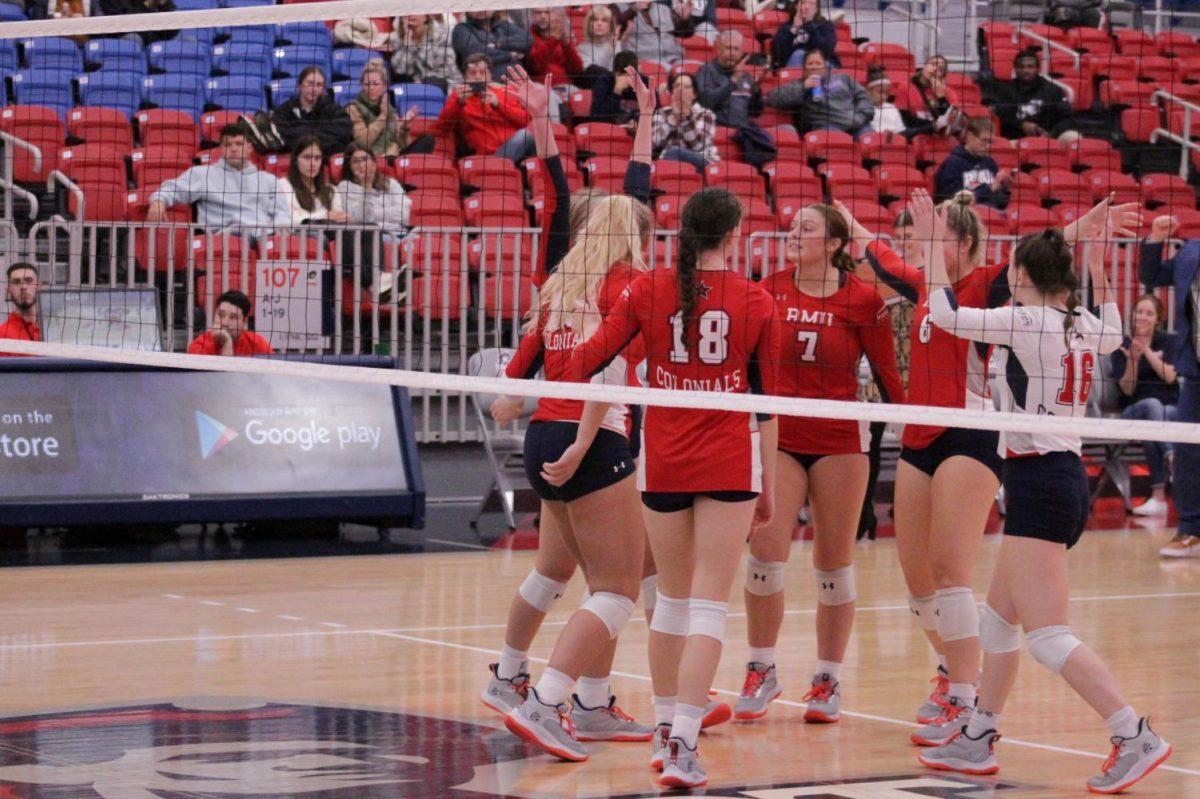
808 30
599 40
377 126
825 101
23 286
111 8
1031 105
229 335
308 194
695 18
650 33
369 196
927 103
488 118
685 130
230 193
613 99
313 113
1075 13
553 53
423 53
887 117
725 85
970 167
493 35
1145 372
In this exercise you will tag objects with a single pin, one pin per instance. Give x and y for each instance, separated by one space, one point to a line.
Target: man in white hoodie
229 193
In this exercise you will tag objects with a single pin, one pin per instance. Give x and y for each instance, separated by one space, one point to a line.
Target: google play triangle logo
213 435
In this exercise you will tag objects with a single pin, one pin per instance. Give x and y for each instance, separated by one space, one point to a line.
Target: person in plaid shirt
685 130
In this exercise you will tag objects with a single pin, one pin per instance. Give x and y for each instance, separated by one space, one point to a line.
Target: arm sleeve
637 181
1153 271
528 358
182 190
889 267
989 325
617 331
556 220
1111 334
880 347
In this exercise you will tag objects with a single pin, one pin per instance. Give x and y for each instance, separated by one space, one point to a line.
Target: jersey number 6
1077 365
713 347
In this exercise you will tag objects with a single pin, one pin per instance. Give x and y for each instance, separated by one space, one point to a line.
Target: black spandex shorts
805 459
606 463
1046 497
978 445
670 502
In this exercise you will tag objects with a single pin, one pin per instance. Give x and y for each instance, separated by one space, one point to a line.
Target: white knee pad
764 577
996 635
1051 646
649 592
707 617
612 609
540 591
835 587
957 614
925 609
670 615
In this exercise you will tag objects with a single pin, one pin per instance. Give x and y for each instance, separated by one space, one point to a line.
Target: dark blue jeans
1187 461
1153 410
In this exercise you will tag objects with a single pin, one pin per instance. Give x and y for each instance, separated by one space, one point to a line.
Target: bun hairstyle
707 218
836 229
962 221
1046 258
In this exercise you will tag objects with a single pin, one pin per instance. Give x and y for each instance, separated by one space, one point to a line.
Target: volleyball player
706 475
828 319
596 715
1049 351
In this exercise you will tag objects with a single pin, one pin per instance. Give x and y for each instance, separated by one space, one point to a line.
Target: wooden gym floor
359 677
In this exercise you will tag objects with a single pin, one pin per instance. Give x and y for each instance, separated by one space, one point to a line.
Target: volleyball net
342 182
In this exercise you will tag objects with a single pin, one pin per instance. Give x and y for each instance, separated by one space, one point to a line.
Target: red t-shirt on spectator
484 128
554 57
243 346
17 328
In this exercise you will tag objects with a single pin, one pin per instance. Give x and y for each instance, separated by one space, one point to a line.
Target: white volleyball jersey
1043 370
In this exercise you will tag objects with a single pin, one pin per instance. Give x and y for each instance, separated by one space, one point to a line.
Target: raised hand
1163 228
534 96
921 207
645 91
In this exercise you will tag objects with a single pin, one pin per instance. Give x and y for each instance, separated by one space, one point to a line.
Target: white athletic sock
511 661
942 663
834 670
763 654
664 709
964 692
686 725
982 721
554 687
593 692
1123 723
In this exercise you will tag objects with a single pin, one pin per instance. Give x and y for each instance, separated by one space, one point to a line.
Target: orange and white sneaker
936 702
715 713
824 701
758 691
607 723
1181 546
546 726
1130 760
964 754
954 717
662 736
681 766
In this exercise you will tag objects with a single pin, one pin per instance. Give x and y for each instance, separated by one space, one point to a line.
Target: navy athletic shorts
1046 497
672 501
606 463
978 445
805 459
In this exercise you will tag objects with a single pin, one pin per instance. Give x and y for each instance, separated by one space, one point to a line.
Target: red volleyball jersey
943 370
733 348
551 350
822 341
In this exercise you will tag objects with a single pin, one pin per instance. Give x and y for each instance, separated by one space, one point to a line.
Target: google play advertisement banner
153 436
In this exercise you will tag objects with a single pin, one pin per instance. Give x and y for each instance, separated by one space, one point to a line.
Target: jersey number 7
1078 365
713 346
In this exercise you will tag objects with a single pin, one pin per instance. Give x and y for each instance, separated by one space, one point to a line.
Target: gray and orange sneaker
607 723
1130 760
936 702
937 732
502 695
759 690
964 754
824 701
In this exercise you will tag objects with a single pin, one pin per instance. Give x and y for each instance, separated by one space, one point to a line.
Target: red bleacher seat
697 48
1189 222
42 128
932 150
1087 154
1126 92
438 297
580 103
741 179
537 184
1024 219
828 145
106 126
676 179
496 209
871 215
160 249
1134 42
1091 40
409 169
1137 123
606 173
900 182
788 145
1177 44
506 297
496 252
1000 60
227 262
212 122
735 19
103 202
794 180
877 148
1172 190
891 56
422 252
1156 69
767 255
164 126
94 163
1063 186
436 210
666 212
604 139
1043 152
1114 67
1123 186
275 163
757 216
490 173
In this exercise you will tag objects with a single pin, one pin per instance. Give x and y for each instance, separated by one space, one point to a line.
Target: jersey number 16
1078 369
713 346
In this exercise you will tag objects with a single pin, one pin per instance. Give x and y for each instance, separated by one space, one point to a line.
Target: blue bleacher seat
52 52
10 12
110 89
282 91
344 91
348 63
429 99
120 55
175 91
253 35
304 34
291 60
9 62
181 58
242 59
45 88
196 5
236 93
245 3
205 36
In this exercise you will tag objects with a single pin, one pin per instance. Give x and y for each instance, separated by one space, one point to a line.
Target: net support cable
1084 427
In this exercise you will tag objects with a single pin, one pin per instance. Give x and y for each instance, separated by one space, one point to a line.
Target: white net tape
1085 427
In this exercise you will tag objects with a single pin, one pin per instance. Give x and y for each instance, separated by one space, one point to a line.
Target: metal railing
11 145
1183 139
1159 13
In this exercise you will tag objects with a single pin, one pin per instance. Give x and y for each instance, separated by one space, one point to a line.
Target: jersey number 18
713 346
